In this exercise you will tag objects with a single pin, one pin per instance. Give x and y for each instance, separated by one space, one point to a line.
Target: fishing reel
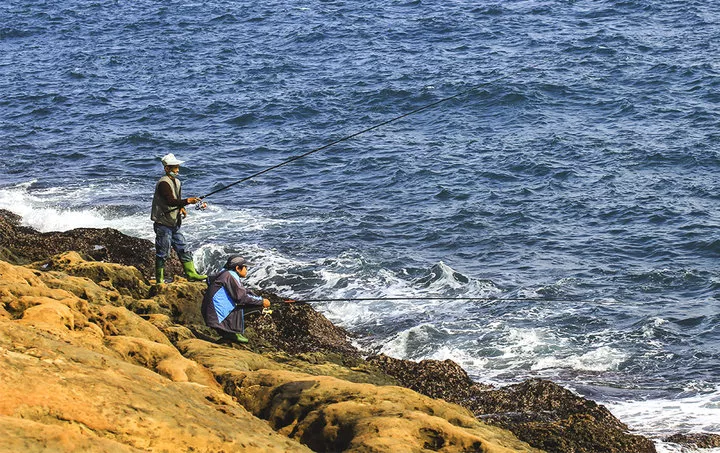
201 206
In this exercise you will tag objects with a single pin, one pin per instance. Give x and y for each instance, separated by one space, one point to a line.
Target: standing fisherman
168 210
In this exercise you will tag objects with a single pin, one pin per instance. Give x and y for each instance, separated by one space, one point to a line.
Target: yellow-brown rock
81 371
121 321
124 279
109 403
67 386
330 414
162 358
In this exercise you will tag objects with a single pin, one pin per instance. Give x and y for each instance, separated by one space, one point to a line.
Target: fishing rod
348 137
340 140
482 299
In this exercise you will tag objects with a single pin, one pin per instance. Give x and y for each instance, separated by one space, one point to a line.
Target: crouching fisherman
226 300
168 210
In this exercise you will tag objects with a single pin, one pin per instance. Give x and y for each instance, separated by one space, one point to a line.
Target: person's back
226 298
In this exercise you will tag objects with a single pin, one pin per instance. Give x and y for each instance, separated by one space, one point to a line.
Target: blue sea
577 168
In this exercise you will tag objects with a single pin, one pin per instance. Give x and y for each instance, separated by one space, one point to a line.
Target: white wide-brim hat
169 160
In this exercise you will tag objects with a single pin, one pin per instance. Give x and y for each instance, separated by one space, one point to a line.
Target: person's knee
162 247
178 243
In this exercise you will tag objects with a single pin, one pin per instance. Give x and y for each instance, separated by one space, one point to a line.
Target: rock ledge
91 357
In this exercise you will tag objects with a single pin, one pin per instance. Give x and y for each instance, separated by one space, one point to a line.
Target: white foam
603 358
460 356
56 209
209 258
217 218
267 264
351 275
68 207
661 417
529 342
403 345
346 276
519 348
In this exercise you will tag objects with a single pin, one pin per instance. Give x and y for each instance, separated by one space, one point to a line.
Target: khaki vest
161 212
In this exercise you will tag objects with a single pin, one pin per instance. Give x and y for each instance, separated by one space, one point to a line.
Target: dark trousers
235 322
166 237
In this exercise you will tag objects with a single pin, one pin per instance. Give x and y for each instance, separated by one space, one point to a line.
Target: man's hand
183 212
193 200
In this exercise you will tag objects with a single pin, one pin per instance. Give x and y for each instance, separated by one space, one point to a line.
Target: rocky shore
92 358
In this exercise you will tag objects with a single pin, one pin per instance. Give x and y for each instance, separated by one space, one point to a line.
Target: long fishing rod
482 299
340 140
347 137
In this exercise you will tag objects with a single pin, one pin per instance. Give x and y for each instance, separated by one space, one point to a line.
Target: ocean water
578 171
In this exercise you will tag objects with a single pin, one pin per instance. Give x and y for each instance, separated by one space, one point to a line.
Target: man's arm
237 292
167 193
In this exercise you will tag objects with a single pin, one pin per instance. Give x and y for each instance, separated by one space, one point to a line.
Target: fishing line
348 137
482 299
340 140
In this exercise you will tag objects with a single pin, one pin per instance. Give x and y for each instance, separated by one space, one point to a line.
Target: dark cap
235 261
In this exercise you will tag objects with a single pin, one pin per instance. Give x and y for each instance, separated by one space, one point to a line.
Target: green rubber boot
240 338
191 273
159 271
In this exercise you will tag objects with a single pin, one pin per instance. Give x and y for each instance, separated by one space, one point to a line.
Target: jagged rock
182 300
552 418
437 379
82 318
333 415
121 321
540 412
697 440
297 329
113 381
126 280
67 384
23 245
161 358
242 358
57 397
173 332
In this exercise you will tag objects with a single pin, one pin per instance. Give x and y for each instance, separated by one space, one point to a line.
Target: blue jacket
224 295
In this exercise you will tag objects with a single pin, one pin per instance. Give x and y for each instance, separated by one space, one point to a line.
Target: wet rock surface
697 440
299 372
437 379
20 244
540 412
554 419
299 329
